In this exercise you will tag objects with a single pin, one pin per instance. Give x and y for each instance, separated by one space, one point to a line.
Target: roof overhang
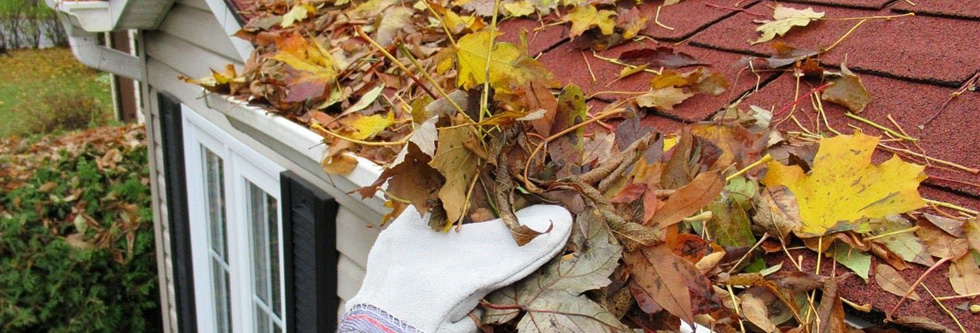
111 15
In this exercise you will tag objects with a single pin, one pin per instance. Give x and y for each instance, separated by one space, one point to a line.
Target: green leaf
729 223
553 294
856 260
905 244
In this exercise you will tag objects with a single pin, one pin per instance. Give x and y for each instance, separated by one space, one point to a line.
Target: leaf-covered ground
36 82
76 233
670 225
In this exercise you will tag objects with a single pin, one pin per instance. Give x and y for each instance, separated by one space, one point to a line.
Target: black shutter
172 141
309 231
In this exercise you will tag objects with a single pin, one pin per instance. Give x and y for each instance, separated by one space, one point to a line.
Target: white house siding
159 207
190 42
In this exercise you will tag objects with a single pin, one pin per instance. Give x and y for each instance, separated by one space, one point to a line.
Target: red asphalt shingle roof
943 8
911 65
927 49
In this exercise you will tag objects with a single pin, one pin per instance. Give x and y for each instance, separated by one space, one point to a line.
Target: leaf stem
863 308
484 98
888 315
731 293
319 128
618 62
656 19
933 159
747 253
880 127
798 99
947 298
880 17
842 38
893 233
614 92
399 64
764 159
442 22
952 206
527 165
425 74
588 66
814 137
943 306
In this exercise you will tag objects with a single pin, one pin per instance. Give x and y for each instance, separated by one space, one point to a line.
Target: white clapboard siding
191 42
355 236
160 219
349 277
185 57
199 4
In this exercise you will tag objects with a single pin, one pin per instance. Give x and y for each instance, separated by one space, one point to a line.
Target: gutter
80 19
299 145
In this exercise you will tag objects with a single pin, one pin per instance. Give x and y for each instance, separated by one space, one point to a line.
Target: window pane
264 223
273 227
260 243
261 320
217 238
215 196
222 297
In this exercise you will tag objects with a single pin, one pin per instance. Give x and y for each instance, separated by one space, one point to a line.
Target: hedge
76 234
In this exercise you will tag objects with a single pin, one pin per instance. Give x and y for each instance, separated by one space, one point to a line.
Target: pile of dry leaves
92 184
669 226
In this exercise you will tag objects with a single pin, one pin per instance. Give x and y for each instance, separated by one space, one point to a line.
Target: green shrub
67 111
76 235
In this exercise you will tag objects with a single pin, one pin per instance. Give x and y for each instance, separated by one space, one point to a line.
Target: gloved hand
419 280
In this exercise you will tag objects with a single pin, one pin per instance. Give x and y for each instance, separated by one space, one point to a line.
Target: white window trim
241 164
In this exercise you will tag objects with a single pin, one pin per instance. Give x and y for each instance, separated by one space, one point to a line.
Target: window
267 293
236 231
214 203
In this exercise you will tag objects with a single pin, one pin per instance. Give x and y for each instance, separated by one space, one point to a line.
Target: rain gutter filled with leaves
669 226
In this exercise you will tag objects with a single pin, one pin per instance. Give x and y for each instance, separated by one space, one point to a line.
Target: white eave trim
110 15
293 136
231 26
92 16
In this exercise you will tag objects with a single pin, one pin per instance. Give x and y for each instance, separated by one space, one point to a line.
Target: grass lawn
47 89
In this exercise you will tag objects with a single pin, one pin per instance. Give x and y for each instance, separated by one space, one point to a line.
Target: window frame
241 165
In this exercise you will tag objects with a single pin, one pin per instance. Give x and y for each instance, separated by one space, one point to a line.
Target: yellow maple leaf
585 17
458 164
297 14
843 186
366 127
519 8
307 56
663 99
785 18
508 63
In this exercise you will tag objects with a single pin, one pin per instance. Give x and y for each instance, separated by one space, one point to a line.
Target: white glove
430 280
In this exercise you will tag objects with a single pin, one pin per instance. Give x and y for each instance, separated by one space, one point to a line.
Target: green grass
47 89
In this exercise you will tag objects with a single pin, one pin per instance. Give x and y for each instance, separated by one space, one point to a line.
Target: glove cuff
363 318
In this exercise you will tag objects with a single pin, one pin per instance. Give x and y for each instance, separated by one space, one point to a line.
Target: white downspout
86 48
88 51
